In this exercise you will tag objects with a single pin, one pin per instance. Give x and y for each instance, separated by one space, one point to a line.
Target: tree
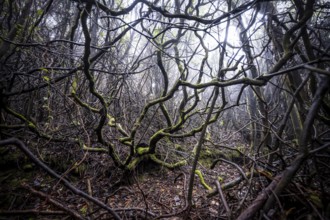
138 80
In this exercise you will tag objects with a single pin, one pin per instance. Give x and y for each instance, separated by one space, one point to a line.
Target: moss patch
201 178
208 155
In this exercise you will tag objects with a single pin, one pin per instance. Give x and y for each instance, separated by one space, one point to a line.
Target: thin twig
247 191
231 163
143 195
90 192
309 202
223 199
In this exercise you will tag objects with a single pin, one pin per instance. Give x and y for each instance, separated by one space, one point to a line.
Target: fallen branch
97 149
51 172
75 214
258 203
239 179
223 199
229 185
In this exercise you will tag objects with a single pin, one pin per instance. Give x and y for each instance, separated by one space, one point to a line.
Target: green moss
133 164
207 155
126 140
28 166
157 134
168 165
234 154
207 136
80 170
95 149
84 210
201 178
179 147
168 140
20 116
142 150
112 120
207 162
74 87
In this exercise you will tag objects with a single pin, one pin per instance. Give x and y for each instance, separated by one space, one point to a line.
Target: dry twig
223 199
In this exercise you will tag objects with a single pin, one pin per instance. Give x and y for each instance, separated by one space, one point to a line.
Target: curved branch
90 78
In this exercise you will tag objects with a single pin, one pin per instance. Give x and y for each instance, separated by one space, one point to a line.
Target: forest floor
158 190
151 191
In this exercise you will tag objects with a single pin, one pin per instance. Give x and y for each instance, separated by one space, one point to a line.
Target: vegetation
104 94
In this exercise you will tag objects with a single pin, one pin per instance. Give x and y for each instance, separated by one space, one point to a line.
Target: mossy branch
142 150
167 165
166 114
93 149
230 184
112 123
86 69
111 119
201 178
135 162
33 126
139 120
83 104
163 71
21 117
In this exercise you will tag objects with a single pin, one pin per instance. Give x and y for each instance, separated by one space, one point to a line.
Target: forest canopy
183 85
